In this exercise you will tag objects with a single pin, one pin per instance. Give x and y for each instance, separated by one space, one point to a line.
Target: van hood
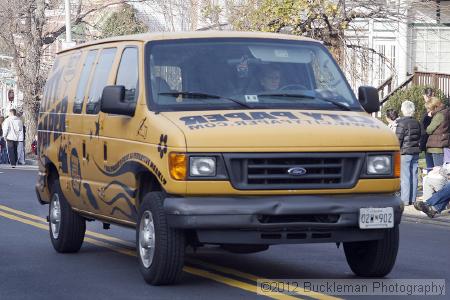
282 128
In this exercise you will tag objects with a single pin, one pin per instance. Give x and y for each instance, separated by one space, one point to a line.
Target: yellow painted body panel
225 188
97 157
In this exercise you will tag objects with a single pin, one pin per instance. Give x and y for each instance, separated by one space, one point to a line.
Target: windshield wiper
307 96
202 96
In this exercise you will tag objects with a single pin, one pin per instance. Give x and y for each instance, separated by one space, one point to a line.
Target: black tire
373 258
169 244
244 249
72 226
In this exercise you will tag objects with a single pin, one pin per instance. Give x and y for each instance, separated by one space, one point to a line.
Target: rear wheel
373 258
160 249
67 228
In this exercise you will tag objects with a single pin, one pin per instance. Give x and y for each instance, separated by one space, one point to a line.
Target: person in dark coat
408 132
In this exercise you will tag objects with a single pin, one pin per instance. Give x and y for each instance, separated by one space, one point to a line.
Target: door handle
84 149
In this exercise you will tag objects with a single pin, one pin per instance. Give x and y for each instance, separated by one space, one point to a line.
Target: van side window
127 74
50 88
82 83
99 79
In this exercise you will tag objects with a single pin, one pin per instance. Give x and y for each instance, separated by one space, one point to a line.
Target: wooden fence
435 80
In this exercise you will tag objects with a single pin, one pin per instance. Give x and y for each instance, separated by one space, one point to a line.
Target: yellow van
242 140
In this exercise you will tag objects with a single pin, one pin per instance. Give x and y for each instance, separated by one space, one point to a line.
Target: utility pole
68 28
68 42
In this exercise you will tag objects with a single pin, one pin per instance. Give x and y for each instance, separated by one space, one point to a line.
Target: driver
270 78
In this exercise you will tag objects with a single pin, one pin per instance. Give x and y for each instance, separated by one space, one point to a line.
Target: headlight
379 164
202 166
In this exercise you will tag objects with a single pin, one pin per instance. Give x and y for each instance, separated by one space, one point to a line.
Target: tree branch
50 37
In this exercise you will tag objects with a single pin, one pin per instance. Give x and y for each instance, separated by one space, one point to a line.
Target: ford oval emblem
297 171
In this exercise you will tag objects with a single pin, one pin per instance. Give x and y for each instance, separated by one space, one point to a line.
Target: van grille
270 170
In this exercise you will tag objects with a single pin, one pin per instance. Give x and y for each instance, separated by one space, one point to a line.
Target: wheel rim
55 216
147 239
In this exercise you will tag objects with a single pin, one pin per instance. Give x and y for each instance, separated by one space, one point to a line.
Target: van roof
191 35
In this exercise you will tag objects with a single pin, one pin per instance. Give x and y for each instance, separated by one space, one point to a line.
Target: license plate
375 217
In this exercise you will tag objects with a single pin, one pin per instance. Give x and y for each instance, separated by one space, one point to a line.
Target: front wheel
160 249
67 228
373 258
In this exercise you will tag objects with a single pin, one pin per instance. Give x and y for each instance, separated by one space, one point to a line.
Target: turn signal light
178 165
397 164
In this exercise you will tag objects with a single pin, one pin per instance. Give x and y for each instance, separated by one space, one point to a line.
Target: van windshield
212 74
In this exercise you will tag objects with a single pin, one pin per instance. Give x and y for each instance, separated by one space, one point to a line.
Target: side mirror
368 97
112 101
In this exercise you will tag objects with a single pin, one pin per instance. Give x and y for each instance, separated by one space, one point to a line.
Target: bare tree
178 15
25 29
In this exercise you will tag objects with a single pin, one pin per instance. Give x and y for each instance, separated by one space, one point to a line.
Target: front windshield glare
230 74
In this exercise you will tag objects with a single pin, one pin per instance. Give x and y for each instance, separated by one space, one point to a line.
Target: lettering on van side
53 122
274 118
131 162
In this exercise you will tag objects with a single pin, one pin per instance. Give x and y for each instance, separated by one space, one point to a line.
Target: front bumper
278 219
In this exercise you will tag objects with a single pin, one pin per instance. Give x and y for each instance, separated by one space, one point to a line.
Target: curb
19 167
31 162
413 218
28 163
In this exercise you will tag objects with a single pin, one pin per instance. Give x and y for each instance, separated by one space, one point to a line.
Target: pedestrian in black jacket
408 132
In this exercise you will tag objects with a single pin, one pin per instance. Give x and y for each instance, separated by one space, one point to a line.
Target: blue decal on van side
129 216
75 172
126 195
90 196
130 192
97 127
125 167
121 196
62 158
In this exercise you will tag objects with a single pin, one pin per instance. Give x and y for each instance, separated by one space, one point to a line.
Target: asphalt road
106 266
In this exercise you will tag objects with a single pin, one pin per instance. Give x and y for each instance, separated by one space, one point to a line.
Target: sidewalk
30 164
